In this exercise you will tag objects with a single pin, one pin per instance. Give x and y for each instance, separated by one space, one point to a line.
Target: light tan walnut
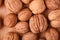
24 15
26 1
54 17
10 20
37 6
51 34
22 27
10 36
13 5
52 4
29 36
38 23
0 2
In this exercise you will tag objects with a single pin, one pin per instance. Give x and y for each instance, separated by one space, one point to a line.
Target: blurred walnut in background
0 2
52 4
24 15
51 34
37 6
29 36
22 27
54 17
10 36
13 5
10 20
38 23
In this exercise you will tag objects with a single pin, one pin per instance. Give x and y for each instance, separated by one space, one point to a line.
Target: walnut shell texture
38 23
24 15
11 36
54 17
37 6
10 20
52 34
52 4
13 5
22 27
29 36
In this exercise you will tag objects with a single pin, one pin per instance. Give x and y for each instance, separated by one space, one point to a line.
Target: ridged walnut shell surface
52 4
11 36
37 6
38 23
54 17
10 20
24 15
29 36
13 5
52 34
22 27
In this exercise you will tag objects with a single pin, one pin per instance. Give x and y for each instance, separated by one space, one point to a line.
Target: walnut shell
37 6
29 36
54 17
24 15
26 1
22 27
10 20
41 39
0 2
38 23
13 5
52 4
10 36
51 34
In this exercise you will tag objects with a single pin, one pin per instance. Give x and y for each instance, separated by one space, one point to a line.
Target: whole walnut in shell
0 2
10 20
29 36
54 17
24 15
38 23
22 27
37 6
26 1
52 4
13 5
51 34
10 36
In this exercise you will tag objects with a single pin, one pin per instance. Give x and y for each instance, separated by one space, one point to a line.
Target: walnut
24 15
0 2
29 36
13 5
10 20
10 36
54 17
52 4
0 23
38 23
22 28
51 34
37 6
26 1
41 39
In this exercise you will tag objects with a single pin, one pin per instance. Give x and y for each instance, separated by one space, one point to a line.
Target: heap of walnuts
30 20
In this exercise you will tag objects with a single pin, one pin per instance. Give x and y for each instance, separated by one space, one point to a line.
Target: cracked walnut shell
51 34
22 27
10 36
38 23
24 15
13 5
54 17
10 20
29 36
37 6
